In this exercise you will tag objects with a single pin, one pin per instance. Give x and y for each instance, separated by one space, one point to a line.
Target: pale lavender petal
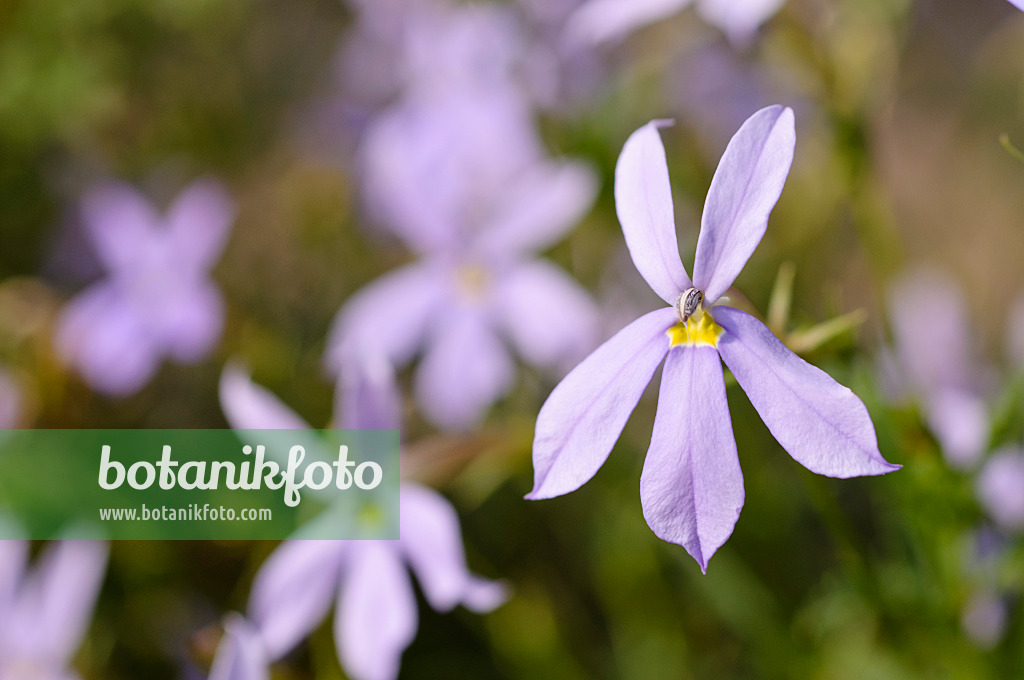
241 655
930 324
248 406
120 222
54 605
599 21
432 543
13 560
376 618
550 318
483 595
1015 334
738 19
692 486
191 321
824 426
643 201
293 591
984 619
1019 4
199 222
745 188
465 369
584 415
100 335
539 208
1000 488
367 397
391 315
960 422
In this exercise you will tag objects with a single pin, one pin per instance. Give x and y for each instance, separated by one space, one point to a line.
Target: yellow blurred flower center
699 329
473 281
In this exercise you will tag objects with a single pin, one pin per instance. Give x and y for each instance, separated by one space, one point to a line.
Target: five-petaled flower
691 487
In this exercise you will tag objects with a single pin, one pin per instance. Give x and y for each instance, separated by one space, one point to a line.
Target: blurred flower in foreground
158 299
1000 488
935 362
375 615
10 400
692 487
465 184
600 21
46 611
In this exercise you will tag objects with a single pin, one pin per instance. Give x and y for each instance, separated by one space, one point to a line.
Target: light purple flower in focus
936 362
692 487
375 616
1019 4
45 611
466 186
158 299
599 21
1000 488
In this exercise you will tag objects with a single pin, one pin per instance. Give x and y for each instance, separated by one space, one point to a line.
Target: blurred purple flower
984 619
599 21
158 299
465 184
46 611
692 487
375 614
1000 488
10 400
936 363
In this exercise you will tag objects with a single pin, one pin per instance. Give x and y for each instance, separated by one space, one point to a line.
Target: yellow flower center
473 282
699 329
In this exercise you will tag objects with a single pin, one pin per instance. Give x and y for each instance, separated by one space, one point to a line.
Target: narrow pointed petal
960 421
738 19
431 541
367 397
551 320
584 415
1000 488
692 486
248 406
391 315
599 21
240 655
539 209
643 201
466 368
199 223
120 222
824 426
13 558
376 618
55 604
745 188
293 591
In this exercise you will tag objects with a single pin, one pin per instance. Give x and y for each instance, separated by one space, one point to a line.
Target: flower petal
293 591
432 543
584 415
248 406
738 19
549 317
391 315
199 223
960 422
745 188
465 370
191 322
692 486
376 618
241 655
120 222
1000 488
367 397
599 21
821 424
643 201
539 208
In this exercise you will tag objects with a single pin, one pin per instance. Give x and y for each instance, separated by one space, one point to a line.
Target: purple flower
464 185
46 611
1000 488
984 619
158 299
375 615
1019 4
600 21
691 487
936 362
